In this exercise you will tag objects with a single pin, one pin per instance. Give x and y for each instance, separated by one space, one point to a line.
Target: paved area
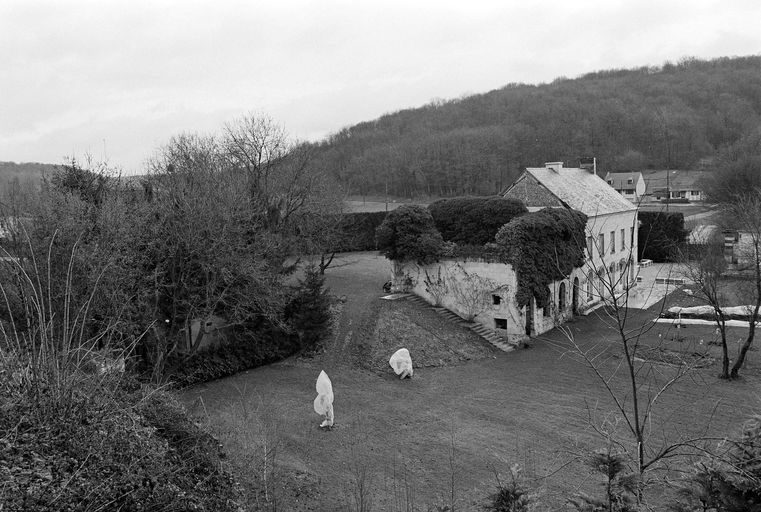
650 290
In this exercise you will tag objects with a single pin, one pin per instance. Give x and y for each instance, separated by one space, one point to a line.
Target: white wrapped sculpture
323 404
401 362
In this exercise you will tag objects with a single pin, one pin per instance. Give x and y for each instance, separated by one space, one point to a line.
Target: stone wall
485 293
530 192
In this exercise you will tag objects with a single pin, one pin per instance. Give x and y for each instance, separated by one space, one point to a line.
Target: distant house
683 186
631 185
611 225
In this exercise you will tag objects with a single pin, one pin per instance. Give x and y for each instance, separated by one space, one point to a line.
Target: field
379 204
469 413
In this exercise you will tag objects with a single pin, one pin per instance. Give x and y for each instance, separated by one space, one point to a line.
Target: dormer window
610 182
629 181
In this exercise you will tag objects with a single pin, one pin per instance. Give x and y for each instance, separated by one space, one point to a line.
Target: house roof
620 180
581 190
675 180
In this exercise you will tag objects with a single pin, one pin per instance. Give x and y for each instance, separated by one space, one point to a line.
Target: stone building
611 226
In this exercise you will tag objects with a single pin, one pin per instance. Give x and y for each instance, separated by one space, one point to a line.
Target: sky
117 79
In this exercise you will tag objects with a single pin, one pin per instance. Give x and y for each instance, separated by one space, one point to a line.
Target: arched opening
561 298
623 272
575 297
612 277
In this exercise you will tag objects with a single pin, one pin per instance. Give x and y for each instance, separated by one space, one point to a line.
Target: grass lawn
470 411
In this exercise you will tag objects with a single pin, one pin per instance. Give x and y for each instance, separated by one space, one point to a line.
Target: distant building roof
620 180
581 190
675 180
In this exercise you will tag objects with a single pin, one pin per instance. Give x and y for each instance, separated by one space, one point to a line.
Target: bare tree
745 214
624 357
704 269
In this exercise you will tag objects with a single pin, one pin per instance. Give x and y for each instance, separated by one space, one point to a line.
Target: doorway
530 316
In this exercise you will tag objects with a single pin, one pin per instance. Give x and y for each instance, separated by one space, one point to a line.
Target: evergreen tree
309 311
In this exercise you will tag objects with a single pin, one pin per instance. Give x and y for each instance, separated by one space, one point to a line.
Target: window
561 297
612 242
610 182
496 300
500 323
590 246
629 181
601 243
623 239
631 237
629 191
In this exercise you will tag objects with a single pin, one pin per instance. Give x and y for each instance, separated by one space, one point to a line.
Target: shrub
542 247
409 234
731 481
661 236
473 220
308 313
512 496
621 486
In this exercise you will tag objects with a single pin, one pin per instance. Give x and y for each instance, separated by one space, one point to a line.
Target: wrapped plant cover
323 404
401 362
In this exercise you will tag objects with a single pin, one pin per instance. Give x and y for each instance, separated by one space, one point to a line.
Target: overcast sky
119 78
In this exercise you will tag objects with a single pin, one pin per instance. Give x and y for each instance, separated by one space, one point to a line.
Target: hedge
409 234
474 220
358 231
661 236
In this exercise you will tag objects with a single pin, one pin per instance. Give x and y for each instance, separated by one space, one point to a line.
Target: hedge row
473 220
661 236
358 231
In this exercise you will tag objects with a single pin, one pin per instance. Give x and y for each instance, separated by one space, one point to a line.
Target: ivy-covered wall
543 247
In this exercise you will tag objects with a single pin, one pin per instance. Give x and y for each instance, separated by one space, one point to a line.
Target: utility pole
668 188
386 191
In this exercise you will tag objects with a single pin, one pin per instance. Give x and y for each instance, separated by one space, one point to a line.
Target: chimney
589 163
555 166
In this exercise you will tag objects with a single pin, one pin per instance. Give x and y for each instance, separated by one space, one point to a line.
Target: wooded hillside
666 117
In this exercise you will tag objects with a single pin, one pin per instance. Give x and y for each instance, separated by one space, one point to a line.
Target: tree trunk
724 350
751 334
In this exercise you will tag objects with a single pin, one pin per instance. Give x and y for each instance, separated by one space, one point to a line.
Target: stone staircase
487 334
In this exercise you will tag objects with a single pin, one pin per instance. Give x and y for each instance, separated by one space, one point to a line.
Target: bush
409 234
248 346
89 442
661 236
512 496
731 481
473 220
77 435
542 247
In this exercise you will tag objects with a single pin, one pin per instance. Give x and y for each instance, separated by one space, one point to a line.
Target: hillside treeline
667 117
